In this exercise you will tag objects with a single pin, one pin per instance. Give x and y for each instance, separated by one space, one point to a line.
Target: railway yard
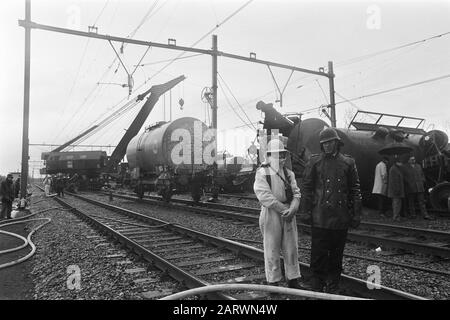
143 184
130 248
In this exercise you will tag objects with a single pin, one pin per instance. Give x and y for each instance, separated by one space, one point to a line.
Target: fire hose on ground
258 287
26 241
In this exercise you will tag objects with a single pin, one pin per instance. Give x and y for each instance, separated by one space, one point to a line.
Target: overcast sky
65 70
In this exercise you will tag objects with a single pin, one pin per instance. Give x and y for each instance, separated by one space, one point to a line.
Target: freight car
172 157
84 166
364 142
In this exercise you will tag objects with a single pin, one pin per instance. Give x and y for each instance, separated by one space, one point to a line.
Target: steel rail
351 284
252 215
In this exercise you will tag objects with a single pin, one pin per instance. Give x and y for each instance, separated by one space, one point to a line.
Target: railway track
197 259
408 240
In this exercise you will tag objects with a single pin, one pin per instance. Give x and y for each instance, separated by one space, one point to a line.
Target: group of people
9 190
329 198
55 185
404 184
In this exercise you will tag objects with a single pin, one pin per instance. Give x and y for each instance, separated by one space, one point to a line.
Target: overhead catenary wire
79 68
229 89
395 89
231 106
367 56
146 17
182 53
203 37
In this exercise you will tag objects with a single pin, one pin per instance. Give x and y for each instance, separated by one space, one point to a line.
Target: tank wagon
170 157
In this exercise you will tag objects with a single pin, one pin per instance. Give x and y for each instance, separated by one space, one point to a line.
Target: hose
258 287
26 240
33 247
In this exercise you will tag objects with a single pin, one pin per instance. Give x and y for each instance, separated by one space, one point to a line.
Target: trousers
412 197
327 250
396 207
279 237
47 189
382 203
6 209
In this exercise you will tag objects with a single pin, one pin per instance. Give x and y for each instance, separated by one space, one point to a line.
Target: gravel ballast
417 282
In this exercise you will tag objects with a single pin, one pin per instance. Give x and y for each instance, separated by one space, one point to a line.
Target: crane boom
136 125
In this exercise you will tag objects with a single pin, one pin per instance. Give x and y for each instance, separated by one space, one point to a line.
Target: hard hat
328 134
275 145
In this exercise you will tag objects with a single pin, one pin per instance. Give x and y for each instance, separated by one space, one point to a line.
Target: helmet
276 145
328 134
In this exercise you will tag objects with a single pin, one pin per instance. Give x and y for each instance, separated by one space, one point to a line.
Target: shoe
299 283
275 284
428 217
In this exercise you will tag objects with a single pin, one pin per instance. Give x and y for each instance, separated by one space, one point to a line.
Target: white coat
279 235
381 179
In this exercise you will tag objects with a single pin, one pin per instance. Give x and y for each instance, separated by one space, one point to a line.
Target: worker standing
396 188
47 183
380 185
331 202
277 191
414 189
7 196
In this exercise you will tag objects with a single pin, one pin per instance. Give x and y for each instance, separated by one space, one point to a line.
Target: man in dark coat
414 189
331 200
60 184
7 195
396 188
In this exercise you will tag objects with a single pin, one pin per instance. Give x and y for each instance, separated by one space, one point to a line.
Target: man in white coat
380 185
47 182
277 191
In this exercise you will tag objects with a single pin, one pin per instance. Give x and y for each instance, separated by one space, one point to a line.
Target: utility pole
332 101
214 82
26 104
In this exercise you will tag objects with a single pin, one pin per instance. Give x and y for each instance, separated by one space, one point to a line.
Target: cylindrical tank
178 144
363 146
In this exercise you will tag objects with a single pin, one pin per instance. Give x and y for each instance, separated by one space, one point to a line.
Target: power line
143 20
231 106
203 37
397 88
162 61
242 109
367 56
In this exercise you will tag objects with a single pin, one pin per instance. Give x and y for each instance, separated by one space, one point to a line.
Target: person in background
396 188
332 203
7 196
414 189
17 188
60 185
277 191
380 185
47 183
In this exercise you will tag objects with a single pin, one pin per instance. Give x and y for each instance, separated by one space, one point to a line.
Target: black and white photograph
235 157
